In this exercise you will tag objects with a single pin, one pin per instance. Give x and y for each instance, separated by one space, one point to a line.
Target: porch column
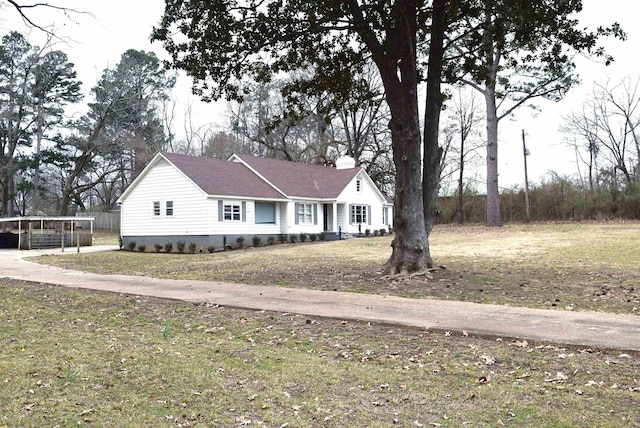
334 217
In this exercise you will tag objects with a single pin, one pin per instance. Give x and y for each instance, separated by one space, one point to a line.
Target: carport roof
44 218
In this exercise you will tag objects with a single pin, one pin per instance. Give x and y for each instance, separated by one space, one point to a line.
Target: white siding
247 227
343 222
367 195
164 183
316 226
283 208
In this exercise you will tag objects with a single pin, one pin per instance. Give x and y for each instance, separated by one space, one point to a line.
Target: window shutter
220 211
244 211
295 212
369 214
350 214
315 213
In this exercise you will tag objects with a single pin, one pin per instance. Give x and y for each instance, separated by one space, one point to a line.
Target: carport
36 232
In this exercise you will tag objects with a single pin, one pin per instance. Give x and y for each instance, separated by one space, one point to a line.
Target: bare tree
222 145
196 136
267 127
359 128
583 136
468 116
608 126
462 140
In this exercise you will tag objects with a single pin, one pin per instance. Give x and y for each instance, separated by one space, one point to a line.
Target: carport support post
62 235
29 235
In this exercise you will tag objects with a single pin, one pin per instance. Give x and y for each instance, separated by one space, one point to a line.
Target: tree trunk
8 188
432 150
5 173
460 181
398 69
410 243
36 169
592 156
64 204
493 191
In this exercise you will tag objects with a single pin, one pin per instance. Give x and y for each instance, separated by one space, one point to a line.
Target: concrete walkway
587 329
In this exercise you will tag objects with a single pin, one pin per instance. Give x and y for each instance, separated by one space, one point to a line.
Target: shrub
240 241
383 231
192 247
313 237
157 247
303 237
120 242
367 232
282 238
211 248
375 232
180 245
293 238
132 245
224 242
142 247
271 240
322 236
256 241
168 247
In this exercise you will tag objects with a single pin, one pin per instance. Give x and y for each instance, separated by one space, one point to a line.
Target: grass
590 266
72 357
102 237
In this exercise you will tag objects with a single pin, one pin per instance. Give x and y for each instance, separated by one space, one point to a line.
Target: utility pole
526 180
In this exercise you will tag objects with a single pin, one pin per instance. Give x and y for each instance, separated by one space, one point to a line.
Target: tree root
403 276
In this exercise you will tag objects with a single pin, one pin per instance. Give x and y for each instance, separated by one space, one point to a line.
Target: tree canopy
221 42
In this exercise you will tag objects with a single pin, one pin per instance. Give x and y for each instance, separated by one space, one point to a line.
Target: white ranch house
202 201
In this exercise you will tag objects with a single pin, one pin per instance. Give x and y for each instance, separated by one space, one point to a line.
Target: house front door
325 217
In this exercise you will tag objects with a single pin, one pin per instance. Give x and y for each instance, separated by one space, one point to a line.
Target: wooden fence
104 221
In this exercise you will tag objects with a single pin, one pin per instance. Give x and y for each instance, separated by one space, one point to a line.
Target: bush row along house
210 202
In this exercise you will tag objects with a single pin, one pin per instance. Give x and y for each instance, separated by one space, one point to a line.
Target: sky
95 41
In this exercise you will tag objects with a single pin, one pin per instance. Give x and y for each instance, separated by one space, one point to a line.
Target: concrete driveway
588 329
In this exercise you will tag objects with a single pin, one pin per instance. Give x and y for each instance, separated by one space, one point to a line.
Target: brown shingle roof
219 177
302 180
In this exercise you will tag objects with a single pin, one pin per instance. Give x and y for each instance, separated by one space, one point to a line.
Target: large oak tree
221 42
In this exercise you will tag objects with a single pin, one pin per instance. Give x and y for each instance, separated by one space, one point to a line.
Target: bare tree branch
20 8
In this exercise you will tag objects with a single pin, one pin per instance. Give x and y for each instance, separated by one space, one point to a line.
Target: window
304 214
265 213
359 184
359 213
232 212
385 215
156 208
169 208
